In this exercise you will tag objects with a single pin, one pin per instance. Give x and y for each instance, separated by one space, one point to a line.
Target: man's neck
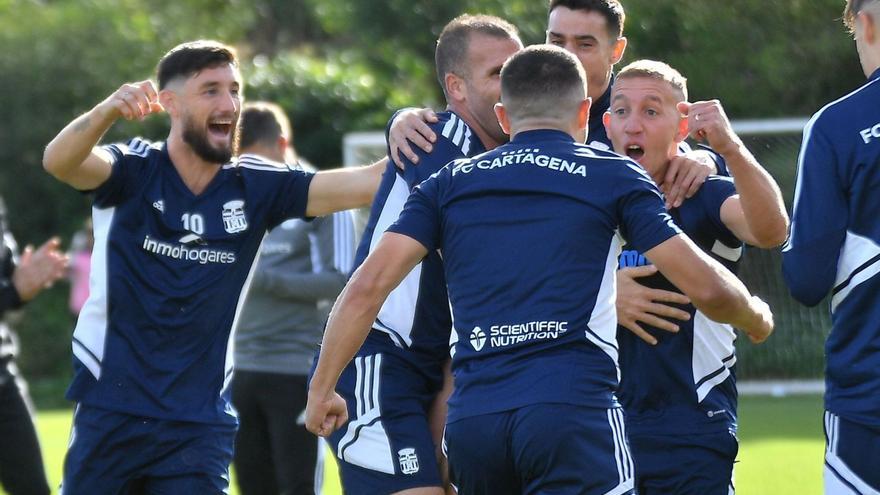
595 92
488 141
195 172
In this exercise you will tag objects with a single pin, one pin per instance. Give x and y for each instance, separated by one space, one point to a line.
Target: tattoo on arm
83 124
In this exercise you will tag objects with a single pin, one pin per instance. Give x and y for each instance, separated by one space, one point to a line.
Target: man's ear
455 87
867 27
584 113
168 100
682 132
617 50
503 118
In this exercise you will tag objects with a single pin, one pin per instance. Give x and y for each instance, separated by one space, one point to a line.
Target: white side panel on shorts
365 442
839 478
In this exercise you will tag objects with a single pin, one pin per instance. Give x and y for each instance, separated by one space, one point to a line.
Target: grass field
781 446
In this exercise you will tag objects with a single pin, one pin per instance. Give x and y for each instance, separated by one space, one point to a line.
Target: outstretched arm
711 287
350 322
757 215
344 188
72 156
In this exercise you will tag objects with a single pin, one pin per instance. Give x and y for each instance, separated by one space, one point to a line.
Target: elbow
804 293
803 284
52 163
773 235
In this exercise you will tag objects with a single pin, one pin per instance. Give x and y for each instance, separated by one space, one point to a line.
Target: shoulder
258 165
716 187
135 148
847 114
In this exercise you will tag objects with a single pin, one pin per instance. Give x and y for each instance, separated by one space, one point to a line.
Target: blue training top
168 268
687 382
529 238
834 245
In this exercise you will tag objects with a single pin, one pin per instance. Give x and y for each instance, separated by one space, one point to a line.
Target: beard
197 139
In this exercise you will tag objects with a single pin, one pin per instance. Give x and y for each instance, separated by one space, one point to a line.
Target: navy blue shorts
695 464
116 453
541 449
386 446
852 457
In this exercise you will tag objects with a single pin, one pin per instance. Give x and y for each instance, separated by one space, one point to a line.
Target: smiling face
644 123
207 107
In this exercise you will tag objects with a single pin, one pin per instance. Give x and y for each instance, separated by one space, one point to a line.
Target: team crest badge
234 219
409 461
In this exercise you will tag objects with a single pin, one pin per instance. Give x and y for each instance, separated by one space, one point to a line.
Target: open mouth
635 152
220 128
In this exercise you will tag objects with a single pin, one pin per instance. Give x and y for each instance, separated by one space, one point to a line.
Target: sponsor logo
525 156
187 253
234 219
870 132
478 339
712 414
159 205
512 334
409 461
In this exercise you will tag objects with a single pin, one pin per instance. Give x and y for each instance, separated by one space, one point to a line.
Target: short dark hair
263 123
611 10
852 9
451 53
187 59
542 81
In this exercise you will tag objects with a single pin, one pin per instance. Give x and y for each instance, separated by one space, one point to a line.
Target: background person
301 264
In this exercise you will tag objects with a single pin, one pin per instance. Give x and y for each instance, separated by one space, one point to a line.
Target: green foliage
331 95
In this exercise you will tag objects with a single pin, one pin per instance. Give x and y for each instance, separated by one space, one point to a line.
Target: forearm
306 287
344 189
70 149
350 322
729 301
760 197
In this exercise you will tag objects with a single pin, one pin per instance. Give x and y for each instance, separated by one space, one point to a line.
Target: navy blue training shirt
834 245
685 384
529 237
168 268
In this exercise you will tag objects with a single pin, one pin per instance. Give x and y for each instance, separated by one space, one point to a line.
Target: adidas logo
159 205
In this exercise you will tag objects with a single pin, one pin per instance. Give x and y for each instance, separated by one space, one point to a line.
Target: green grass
781 446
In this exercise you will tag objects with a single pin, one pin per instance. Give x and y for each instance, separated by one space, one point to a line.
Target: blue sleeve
292 196
420 218
712 196
442 152
818 221
720 163
127 161
644 222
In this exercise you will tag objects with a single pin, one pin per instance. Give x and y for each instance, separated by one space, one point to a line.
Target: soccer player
177 228
834 249
301 265
528 234
387 447
680 394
